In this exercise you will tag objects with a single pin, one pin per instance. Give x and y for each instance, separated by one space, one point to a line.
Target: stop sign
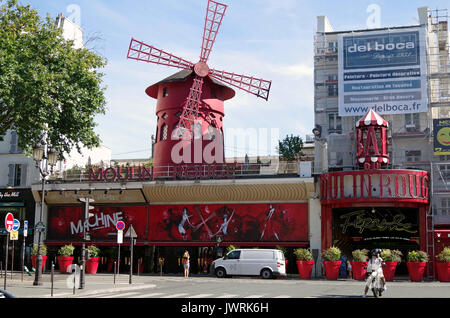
9 222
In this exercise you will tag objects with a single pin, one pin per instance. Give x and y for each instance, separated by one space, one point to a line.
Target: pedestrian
349 269
186 263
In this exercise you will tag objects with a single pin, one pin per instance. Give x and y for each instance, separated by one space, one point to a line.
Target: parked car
5 294
266 263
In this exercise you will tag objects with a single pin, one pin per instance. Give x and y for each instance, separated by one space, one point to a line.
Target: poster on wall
385 71
65 222
441 136
233 222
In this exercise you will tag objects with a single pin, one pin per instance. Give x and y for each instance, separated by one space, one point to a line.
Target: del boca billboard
382 70
275 222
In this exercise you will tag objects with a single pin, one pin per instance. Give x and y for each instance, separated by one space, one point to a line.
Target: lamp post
43 158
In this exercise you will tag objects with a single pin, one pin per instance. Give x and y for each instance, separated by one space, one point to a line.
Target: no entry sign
120 225
9 222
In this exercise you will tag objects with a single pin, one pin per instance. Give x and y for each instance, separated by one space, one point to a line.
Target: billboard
233 222
441 136
384 70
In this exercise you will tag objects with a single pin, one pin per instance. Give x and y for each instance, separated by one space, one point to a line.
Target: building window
445 207
412 122
332 47
165 92
164 132
17 175
413 155
332 78
334 123
332 90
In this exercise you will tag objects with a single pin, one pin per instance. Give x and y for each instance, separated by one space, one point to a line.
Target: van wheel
266 273
220 272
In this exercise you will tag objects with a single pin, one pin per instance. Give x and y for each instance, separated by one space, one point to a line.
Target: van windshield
233 255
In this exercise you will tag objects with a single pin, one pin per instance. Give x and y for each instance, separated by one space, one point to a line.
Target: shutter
23 177
11 175
13 148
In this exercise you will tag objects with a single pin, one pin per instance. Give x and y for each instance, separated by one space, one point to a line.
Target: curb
103 291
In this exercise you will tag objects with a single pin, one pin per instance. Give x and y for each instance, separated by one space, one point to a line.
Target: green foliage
282 249
94 250
46 85
66 250
290 148
302 254
230 248
391 255
444 256
331 254
417 256
360 255
34 250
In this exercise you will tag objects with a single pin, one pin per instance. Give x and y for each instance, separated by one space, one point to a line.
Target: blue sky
271 39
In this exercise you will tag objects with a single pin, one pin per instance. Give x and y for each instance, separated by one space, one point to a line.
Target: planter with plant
92 262
443 265
65 257
359 264
34 254
416 263
305 262
331 262
391 258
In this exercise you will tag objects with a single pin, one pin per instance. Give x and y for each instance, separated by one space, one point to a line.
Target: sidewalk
63 285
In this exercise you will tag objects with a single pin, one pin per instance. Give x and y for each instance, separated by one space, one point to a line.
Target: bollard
115 269
74 281
52 273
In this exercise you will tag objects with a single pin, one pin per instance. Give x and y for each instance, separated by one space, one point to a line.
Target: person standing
186 263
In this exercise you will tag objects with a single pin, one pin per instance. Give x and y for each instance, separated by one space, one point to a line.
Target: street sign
9 222
16 225
14 235
119 237
120 225
40 227
25 228
131 232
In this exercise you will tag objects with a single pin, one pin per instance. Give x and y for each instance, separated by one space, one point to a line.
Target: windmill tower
190 103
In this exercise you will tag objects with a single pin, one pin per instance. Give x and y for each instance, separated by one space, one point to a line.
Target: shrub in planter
417 261
331 262
34 254
391 258
443 265
92 263
359 263
65 257
305 262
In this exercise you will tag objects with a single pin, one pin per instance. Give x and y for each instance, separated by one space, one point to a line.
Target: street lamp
40 156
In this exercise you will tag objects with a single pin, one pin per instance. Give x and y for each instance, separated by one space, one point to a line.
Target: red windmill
195 94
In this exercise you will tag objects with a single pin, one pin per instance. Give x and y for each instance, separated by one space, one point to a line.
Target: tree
47 87
290 148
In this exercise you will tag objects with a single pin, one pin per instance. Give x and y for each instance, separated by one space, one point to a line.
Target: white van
250 262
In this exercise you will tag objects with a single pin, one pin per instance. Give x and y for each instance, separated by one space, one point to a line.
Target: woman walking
186 261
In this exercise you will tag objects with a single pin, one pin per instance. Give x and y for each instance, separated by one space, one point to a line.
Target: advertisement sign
441 136
232 222
385 71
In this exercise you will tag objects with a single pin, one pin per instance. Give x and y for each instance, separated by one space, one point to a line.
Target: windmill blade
142 52
214 15
190 111
252 85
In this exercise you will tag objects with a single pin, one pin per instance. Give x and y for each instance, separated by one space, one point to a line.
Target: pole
23 255
52 273
131 261
118 262
115 269
38 276
83 244
12 260
6 260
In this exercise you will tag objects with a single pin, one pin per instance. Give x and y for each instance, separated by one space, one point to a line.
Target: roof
182 76
372 119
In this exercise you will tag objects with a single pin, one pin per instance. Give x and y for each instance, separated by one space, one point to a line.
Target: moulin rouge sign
375 184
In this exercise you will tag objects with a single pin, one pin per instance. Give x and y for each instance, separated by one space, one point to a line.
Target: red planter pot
305 269
64 262
416 270
443 271
389 271
332 269
33 261
92 265
359 272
